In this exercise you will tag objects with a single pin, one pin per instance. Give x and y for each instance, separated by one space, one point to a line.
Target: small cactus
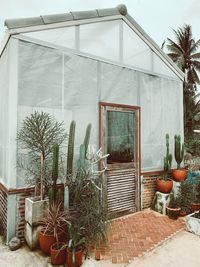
87 137
70 150
168 157
178 150
55 170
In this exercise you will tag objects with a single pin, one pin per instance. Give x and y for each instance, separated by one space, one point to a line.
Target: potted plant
195 206
76 246
58 253
37 136
173 209
164 184
54 223
179 174
185 197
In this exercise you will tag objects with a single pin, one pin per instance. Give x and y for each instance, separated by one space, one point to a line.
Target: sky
156 17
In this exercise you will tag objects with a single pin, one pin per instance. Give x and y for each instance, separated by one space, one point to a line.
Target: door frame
137 111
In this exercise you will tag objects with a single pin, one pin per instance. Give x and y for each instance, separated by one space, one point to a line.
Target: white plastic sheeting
70 87
108 40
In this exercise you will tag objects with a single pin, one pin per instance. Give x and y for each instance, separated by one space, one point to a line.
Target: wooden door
119 137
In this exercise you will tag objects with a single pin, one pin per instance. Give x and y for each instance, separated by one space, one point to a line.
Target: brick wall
3 213
148 190
20 222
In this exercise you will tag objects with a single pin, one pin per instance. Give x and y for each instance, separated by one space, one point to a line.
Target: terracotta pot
179 175
173 213
164 186
195 207
97 255
46 241
58 254
78 258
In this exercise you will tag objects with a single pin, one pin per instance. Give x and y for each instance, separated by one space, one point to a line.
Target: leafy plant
37 135
173 203
55 220
178 150
185 195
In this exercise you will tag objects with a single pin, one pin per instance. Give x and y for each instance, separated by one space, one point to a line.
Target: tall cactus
178 150
168 157
82 161
55 170
87 137
70 150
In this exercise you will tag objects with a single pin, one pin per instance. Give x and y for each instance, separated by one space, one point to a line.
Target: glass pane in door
120 136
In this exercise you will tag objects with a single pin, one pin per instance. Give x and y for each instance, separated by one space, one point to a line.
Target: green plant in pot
195 206
185 197
173 209
164 184
179 174
54 224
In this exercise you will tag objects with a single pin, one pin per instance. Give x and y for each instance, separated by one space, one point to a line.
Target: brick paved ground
131 236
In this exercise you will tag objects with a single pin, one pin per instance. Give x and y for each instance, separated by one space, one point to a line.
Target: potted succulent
54 223
185 197
75 246
195 206
164 184
173 209
179 174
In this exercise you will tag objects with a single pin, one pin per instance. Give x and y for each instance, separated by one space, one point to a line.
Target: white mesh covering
70 87
4 92
109 40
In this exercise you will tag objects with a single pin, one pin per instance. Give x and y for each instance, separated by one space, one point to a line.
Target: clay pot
195 207
46 241
97 255
173 213
179 175
164 186
58 254
78 258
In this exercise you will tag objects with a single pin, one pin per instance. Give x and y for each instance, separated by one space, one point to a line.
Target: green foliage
185 196
173 203
168 157
37 135
70 151
178 150
87 137
55 169
192 144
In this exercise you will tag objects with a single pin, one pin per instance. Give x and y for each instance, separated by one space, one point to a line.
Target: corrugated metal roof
48 19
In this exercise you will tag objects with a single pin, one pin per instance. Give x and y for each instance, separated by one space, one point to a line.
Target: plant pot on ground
185 197
179 174
58 253
164 184
54 225
173 209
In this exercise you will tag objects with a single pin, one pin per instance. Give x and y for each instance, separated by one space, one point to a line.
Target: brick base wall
3 213
148 190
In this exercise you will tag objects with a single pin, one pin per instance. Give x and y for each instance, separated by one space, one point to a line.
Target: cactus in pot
179 174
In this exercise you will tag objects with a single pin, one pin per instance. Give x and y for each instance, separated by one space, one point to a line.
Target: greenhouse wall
70 87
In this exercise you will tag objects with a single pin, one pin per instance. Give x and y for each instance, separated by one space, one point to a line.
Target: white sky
156 17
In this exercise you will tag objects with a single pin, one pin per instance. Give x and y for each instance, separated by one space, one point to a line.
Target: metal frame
104 106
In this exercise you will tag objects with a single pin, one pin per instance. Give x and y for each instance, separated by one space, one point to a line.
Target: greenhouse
96 67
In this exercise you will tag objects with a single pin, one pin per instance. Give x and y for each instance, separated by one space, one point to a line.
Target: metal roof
16 26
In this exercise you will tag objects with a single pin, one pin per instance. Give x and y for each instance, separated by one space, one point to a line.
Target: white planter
32 235
193 224
35 210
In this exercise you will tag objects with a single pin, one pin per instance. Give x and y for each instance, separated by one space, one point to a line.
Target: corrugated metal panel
121 189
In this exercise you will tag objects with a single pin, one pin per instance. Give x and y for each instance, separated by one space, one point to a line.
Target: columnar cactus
82 161
70 151
178 150
55 169
168 157
87 137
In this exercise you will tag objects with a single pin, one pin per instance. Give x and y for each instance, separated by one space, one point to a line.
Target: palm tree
184 52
